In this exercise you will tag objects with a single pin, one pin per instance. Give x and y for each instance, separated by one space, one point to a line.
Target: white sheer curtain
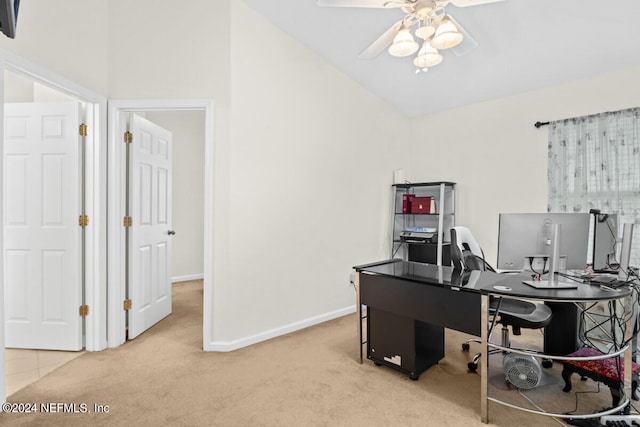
594 163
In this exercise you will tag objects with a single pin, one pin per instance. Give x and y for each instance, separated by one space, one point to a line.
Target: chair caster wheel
547 363
465 346
472 366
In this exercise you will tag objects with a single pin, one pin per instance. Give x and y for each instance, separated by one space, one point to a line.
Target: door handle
171 232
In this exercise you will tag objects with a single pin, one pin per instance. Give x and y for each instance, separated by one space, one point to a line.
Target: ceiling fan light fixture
425 31
447 35
403 44
424 8
427 57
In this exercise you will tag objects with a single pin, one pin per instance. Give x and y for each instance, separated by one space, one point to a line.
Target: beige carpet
308 378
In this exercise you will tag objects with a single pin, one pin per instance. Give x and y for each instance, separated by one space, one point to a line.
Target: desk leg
359 311
629 354
484 360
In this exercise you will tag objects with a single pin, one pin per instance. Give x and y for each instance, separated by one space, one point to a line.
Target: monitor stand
552 282
546 284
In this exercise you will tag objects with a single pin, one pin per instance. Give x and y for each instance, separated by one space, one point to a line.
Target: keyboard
620 420
607 421
611 282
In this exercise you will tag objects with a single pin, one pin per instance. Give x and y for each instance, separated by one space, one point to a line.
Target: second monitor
525 236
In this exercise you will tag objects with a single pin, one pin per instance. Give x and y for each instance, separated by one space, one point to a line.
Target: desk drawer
434 304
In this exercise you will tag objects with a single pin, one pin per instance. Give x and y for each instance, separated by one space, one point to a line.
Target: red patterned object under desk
601 370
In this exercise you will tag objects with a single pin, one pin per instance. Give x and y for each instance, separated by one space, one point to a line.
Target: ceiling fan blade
468 43
465 3
381 43
383 4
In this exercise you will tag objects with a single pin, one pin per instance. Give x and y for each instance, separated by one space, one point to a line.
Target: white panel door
150 172
42 238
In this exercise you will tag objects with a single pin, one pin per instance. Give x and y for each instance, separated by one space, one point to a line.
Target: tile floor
26 366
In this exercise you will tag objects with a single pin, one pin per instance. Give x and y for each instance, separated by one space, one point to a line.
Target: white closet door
150 172
42 237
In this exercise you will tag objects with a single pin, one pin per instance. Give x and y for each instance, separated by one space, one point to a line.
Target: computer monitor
523 237
625 253
605 230
9 17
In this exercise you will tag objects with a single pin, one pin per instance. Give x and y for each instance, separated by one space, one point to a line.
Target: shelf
425 214
421 214
425 184
441 218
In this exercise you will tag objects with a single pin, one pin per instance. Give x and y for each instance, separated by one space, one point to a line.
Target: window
594 163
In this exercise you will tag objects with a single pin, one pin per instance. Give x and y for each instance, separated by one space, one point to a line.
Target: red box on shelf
421 205
406 202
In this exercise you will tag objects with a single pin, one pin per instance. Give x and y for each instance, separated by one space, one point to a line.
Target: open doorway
187 127
30 91
190 122
42 164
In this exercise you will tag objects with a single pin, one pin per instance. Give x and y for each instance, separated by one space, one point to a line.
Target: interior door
149 233
42 237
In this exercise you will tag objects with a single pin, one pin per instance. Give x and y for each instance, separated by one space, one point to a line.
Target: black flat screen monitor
605 232
9 17
525 235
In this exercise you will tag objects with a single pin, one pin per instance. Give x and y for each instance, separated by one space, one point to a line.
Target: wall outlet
352 278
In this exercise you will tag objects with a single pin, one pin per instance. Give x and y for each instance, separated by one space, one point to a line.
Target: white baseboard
187 278
226 346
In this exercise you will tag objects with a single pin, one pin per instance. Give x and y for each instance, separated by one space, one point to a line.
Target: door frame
95 324
116 204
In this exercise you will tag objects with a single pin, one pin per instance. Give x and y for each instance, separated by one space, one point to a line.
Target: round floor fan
522 371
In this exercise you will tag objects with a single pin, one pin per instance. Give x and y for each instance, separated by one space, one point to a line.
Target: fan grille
522 371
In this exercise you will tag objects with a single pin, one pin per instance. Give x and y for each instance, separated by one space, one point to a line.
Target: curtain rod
540 124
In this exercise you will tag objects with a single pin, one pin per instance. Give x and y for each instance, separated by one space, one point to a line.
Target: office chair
466 254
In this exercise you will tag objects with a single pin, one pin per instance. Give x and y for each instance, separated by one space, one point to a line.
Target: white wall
67 37
496 155
311 157
164 49
19 88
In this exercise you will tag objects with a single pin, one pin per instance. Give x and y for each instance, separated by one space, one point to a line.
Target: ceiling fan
433 25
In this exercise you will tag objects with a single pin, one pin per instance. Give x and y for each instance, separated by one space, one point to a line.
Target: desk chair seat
466 254
522 314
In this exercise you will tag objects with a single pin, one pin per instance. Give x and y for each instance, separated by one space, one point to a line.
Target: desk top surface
486 282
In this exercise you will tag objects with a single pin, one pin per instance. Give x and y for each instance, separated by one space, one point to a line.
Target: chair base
473 365
466 346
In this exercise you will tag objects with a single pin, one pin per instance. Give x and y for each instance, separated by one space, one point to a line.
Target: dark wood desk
409 304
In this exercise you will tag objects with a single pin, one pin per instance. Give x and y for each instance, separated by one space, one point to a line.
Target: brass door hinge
128 137
84 130
126 305
127 221
83 220
84 310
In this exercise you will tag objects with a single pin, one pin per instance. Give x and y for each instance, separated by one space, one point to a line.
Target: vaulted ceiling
523 45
